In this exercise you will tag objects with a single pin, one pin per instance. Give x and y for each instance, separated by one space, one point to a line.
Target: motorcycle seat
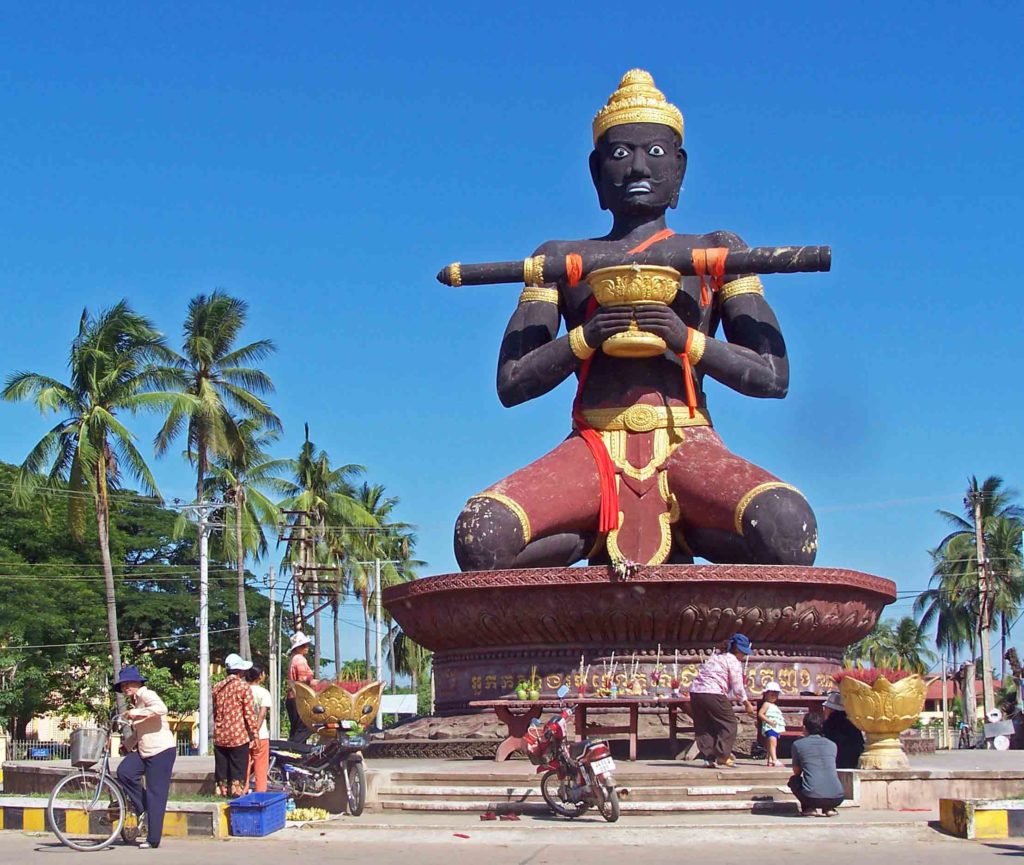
293 747
576 749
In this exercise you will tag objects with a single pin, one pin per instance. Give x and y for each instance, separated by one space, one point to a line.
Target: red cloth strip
573 269
691 391
657 237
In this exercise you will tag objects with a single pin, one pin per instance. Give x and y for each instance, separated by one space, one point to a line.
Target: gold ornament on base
883 711
338 704
629 285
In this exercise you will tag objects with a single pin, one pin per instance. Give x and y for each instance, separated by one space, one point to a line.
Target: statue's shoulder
560 247
728 239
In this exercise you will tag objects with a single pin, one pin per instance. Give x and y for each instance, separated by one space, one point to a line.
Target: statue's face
638 168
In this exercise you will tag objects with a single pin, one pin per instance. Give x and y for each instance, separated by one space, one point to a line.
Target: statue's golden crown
637 101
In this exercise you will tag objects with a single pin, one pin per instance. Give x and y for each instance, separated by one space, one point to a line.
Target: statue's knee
489 534
780 529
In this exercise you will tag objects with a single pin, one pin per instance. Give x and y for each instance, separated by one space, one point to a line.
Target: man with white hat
298 671
839 729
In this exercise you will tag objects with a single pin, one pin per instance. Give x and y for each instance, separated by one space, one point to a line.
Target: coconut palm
118 361
408 657
956 556
240 477
317 496
390 545
908 647
223 382
950 604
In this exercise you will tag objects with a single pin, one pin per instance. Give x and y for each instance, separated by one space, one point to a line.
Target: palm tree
951 601
317 489
115 365
907 649
1001 522
409 658
390 544
216 374
240 477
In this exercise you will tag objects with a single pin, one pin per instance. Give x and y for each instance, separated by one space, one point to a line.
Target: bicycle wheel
355 787
86 811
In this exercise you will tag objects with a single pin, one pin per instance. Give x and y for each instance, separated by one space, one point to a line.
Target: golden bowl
338 704
883 711
629 285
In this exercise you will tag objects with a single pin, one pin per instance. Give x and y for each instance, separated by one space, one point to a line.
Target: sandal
728 762
831 812
488 815
809 812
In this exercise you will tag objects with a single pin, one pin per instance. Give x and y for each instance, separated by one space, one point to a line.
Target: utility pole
274 662
974 498
945 705
202 510
377 588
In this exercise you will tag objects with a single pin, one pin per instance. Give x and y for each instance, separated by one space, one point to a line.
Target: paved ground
843 848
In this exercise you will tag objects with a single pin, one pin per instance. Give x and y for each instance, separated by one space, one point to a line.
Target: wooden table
517 715
519 722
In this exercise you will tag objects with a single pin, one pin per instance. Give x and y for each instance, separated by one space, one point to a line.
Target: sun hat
128 674
236 663
741 642
772 686
299 640
834 702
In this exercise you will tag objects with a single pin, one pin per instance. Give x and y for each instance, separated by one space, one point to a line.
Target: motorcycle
311 771
577 775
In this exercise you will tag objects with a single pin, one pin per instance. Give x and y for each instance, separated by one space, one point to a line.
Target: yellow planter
883 711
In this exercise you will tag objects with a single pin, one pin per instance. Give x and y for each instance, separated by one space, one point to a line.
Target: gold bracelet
533 270
455 274
578 344
744 285
544 295
697 346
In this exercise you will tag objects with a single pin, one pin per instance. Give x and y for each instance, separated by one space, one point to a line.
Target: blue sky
323 161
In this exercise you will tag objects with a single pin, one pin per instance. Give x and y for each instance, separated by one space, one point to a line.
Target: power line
107 642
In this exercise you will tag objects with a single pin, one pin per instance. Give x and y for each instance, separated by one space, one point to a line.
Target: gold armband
544 295
455 274
578 343
697 344
744 285
533 270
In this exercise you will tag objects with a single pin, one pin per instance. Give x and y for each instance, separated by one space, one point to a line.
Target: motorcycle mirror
319 710
562 692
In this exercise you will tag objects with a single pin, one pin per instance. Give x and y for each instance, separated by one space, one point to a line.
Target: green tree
956 561
317 496
240 477
118 361
225 386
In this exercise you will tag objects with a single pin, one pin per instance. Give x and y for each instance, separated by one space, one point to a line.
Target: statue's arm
753 360
534 359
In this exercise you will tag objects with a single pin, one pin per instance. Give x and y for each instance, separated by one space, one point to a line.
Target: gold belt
644 418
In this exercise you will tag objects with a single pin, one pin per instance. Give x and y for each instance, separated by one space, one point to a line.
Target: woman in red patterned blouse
234 720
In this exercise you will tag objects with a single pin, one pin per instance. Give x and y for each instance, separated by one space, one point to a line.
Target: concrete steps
684 789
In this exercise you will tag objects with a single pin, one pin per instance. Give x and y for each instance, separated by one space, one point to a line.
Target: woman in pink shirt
719 681
298 671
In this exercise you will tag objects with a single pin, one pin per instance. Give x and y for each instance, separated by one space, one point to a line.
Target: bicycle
88 809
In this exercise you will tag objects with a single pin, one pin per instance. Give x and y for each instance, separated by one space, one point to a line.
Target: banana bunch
308 814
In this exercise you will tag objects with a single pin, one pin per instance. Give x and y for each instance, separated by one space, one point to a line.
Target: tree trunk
243 613
103 535
335 612
1004 629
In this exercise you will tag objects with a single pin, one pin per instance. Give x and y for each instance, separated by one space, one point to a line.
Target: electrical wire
106 642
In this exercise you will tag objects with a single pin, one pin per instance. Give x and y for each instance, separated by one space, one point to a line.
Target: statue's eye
657 150
620 152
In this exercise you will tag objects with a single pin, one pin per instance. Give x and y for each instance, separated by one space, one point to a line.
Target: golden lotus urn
629 285
338 703
883 711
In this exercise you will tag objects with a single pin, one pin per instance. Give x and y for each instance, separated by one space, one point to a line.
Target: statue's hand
606 322
662 321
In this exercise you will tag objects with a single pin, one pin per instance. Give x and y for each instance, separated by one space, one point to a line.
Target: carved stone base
490 629
883 752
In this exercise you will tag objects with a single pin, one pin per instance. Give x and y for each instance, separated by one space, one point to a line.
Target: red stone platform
489 629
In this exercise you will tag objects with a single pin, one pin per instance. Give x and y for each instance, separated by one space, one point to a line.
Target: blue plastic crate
257 814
